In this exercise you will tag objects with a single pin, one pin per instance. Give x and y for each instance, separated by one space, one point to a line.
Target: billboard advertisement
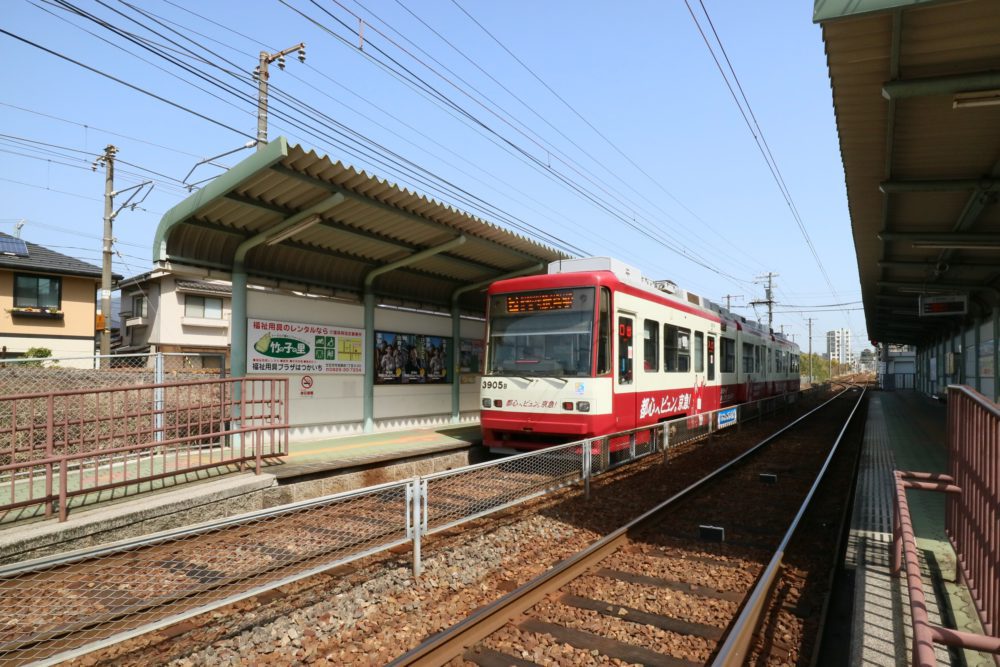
404 358
295 347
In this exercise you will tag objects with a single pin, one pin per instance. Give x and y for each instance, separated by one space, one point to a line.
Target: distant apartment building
838 346
163 312
47 300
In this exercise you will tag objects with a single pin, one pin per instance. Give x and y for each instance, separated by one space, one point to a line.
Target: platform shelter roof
916 93
295 217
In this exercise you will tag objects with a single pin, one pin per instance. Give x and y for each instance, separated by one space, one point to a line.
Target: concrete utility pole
262 75
729 298
769 293
108 159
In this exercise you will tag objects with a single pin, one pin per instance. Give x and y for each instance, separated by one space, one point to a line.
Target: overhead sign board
944 304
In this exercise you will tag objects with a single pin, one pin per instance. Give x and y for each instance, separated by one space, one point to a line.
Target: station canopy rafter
290 217
916 93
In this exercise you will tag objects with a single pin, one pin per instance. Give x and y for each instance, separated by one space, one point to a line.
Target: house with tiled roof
47 300
165 312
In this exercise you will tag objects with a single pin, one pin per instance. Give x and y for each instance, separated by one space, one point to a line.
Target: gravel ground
372 611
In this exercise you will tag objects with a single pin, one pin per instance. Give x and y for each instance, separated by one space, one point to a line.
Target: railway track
683 584
65 607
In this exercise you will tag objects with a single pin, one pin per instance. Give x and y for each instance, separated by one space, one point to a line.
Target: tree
36 353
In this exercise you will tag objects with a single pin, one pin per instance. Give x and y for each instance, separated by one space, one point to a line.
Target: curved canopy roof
916 91
321 223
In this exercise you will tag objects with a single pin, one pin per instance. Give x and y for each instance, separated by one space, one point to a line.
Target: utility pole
262 75
729 298
810 321
108 159
769 301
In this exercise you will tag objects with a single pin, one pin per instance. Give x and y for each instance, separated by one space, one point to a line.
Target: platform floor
905 430
349 451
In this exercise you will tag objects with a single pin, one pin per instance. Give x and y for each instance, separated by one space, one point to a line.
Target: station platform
905 430
320 456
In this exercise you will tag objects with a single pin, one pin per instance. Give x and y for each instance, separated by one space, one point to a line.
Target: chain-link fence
24 376
57 606
65 607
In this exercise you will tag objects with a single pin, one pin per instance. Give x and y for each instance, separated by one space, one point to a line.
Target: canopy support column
238 319
369 301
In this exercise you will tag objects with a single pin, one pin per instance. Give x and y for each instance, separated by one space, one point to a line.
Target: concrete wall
970 355
336 406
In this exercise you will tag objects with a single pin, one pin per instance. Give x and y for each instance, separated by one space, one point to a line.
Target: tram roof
319 223
916 93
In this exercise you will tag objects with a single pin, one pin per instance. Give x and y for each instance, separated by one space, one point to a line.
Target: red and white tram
592 348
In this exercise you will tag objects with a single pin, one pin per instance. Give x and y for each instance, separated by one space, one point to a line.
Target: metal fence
972 519
21 376
156 581
897 381
59 445
64 607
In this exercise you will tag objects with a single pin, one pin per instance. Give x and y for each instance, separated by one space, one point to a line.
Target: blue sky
615 134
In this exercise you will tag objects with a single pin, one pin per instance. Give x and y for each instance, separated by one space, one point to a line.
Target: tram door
710 370
624 391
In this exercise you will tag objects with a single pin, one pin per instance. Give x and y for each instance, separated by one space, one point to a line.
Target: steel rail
741 632
453 642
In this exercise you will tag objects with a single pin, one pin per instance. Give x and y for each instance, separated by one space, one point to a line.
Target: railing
904 554
57 445
294 541
972 520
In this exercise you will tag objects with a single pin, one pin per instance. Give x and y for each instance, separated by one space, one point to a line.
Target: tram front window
543 333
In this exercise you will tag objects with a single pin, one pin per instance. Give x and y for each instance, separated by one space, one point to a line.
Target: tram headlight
497 403
583 406
487 403
567 405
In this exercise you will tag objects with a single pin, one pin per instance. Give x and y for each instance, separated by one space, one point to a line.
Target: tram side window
728 351
676 349
650 345
748 358
624 350
761 368
795 363
699 352
604 333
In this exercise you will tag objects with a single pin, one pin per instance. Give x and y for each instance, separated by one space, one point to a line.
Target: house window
140 307
37 291
203 306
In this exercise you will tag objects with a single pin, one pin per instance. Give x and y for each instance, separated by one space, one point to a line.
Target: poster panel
986 356
405 358
470 357
275 346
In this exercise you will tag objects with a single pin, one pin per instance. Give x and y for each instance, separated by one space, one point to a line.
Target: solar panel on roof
12 246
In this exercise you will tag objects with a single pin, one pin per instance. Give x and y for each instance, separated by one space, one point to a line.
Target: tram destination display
522 303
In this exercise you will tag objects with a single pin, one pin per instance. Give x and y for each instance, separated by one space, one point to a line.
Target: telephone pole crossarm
262 75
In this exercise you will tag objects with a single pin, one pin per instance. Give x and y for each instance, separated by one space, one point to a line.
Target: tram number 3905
494 384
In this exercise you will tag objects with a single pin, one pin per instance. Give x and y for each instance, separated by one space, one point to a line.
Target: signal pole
262 76
769 301
108 159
